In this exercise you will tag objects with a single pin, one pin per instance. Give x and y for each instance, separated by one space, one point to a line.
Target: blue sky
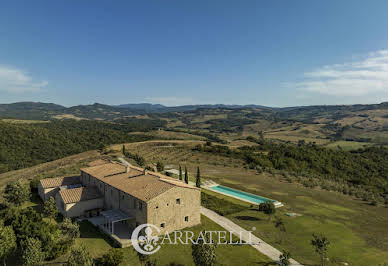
275 53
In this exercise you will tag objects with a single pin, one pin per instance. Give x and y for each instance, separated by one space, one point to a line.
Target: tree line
363 172
25 145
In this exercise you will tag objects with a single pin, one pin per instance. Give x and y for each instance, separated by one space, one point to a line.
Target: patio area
116 224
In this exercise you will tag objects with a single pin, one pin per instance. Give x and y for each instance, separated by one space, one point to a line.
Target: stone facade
76 209
175 209
46 193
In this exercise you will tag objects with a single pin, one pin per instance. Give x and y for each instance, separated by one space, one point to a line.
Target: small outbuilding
49 187
82 201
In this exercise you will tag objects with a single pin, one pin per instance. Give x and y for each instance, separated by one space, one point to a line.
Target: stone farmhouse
125 196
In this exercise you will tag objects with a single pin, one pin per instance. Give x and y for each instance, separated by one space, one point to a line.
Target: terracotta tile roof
133 180
98 162
60 181
80 194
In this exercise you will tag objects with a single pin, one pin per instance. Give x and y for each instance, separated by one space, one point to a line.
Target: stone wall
175 209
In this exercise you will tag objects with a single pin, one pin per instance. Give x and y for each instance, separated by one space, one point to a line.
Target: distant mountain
142 106
31 105
30 110
46 111
159 108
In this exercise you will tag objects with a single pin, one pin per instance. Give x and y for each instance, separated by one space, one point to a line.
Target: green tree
321 245
160 166
180 172
7 241
80 256
186 176
198 178
34 185
69 229
204 252
142 257
114 257
279 224
16 193
50 208
284 258
32 253
268 208
123 150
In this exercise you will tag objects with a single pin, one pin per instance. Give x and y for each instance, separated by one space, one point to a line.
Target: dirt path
263 247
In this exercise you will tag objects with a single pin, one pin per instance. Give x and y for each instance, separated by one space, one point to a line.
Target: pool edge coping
278 205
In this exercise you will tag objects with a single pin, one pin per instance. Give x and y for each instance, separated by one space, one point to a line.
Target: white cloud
171 101
366 77
17 81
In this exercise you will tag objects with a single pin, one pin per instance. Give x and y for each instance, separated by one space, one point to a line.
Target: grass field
66 166
348 145
163 134
18 121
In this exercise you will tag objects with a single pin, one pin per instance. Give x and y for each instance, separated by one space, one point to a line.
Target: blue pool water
240 194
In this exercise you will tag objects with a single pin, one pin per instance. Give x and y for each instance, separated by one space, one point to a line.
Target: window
140 205
162 225
178 201
122 196
186 218
134 203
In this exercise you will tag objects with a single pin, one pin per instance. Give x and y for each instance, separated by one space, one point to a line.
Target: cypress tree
180 172
186 176
198 178
123 150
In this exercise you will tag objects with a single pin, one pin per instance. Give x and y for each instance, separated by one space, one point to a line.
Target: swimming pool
242 195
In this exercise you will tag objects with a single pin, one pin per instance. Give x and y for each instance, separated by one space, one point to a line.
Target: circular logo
146 244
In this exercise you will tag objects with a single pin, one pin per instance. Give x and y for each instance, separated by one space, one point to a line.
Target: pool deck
276 203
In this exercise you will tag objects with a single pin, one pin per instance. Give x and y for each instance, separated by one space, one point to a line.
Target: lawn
98 244
336 222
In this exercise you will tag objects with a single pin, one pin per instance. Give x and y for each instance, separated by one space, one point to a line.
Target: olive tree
7 241
50 208
321 245
32 253
16 193
204 252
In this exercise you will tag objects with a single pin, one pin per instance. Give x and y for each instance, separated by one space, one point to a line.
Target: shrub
80 256
113 258
160 167
267 207
50 208
32 253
